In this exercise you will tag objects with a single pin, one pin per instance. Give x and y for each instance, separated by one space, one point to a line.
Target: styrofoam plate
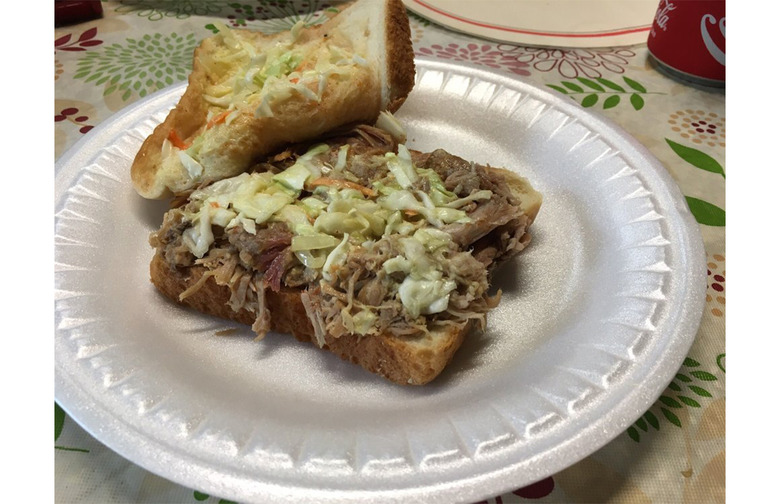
596 318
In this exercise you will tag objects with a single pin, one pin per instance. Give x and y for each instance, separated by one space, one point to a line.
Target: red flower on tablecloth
716 282
86 39
570 63
699 127
480 54
72 115
537 490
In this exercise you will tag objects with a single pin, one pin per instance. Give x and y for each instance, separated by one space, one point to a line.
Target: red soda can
76 11
688 40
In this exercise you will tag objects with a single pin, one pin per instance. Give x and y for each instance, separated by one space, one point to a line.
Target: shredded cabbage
294 177
167 148
260 207
313 242
295 31
337 257
389 123
484 194
314 260
341 161
363 322
433 239
199 237
326 224
425 296
401 166
194 169
337 223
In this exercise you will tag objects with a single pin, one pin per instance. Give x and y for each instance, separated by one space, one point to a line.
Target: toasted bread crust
414 361
530 198
248 138
400 61
187 117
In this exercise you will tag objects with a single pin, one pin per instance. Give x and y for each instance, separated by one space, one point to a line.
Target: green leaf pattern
590 100
59 421
612 101
200 496
689 401
557 88
697 158
273 16
671 417
705 212
591 84
675 398
603 87
59 425
637 101
635 85
704 375
573 87
611 85
140 66
179 9
652 420
683 378
699 391
670 402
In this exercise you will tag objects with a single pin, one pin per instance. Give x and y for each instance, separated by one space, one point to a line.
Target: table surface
674 453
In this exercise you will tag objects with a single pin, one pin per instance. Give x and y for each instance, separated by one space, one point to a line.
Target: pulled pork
248 264
362 284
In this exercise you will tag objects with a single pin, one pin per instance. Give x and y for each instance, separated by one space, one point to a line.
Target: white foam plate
597 316
556 23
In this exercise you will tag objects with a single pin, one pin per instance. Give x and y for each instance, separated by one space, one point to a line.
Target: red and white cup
688 40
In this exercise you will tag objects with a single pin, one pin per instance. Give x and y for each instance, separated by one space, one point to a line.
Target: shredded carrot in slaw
217 119
176 141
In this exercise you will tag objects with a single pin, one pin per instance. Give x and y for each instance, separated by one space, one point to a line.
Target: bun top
250 94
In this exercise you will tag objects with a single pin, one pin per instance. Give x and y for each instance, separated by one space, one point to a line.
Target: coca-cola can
688 40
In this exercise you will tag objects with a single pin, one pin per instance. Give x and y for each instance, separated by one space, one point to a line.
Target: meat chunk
259 249
169 238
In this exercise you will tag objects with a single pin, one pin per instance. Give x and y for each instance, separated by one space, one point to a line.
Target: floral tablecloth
674 453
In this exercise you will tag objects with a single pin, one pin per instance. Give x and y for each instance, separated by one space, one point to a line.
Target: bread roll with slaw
250 93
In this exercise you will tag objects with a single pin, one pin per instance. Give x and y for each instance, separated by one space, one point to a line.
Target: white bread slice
405 361
376 73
